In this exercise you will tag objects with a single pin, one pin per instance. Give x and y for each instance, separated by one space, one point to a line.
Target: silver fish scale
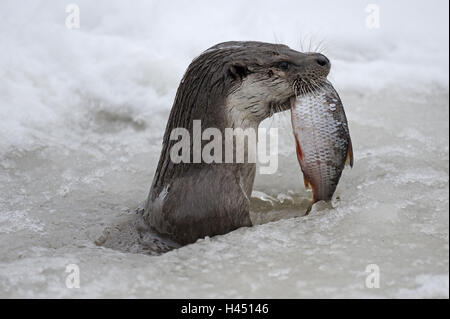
321 130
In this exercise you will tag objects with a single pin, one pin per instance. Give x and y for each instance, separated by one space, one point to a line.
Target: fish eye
284 65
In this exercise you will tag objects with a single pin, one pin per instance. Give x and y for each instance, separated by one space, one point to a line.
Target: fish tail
298 149
306 182
309 208
314 199
349 158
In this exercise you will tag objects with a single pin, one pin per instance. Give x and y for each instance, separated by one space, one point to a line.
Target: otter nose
322 60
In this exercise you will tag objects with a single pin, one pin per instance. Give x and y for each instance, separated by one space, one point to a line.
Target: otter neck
233 118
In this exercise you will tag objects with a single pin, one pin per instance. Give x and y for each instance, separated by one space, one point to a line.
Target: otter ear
238 70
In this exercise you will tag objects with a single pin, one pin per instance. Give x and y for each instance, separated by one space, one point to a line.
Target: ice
84 111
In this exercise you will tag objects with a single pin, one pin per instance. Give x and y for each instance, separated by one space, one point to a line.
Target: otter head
264 78
244 83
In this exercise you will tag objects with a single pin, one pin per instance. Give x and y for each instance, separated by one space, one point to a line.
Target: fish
322 137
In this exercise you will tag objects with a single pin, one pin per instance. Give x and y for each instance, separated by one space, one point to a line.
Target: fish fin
314 200
349 158
306 182
299 149
309 208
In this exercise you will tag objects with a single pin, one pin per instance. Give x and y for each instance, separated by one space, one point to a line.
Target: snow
84 110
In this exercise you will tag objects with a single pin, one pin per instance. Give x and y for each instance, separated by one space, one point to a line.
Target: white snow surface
83 112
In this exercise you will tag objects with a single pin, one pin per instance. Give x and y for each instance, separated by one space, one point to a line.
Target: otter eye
284 65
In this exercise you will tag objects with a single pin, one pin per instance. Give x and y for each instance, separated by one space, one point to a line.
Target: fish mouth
303 86
300 87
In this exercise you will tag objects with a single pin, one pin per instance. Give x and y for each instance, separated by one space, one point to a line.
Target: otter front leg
206 201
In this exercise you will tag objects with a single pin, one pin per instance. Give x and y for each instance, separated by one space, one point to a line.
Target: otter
230 85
